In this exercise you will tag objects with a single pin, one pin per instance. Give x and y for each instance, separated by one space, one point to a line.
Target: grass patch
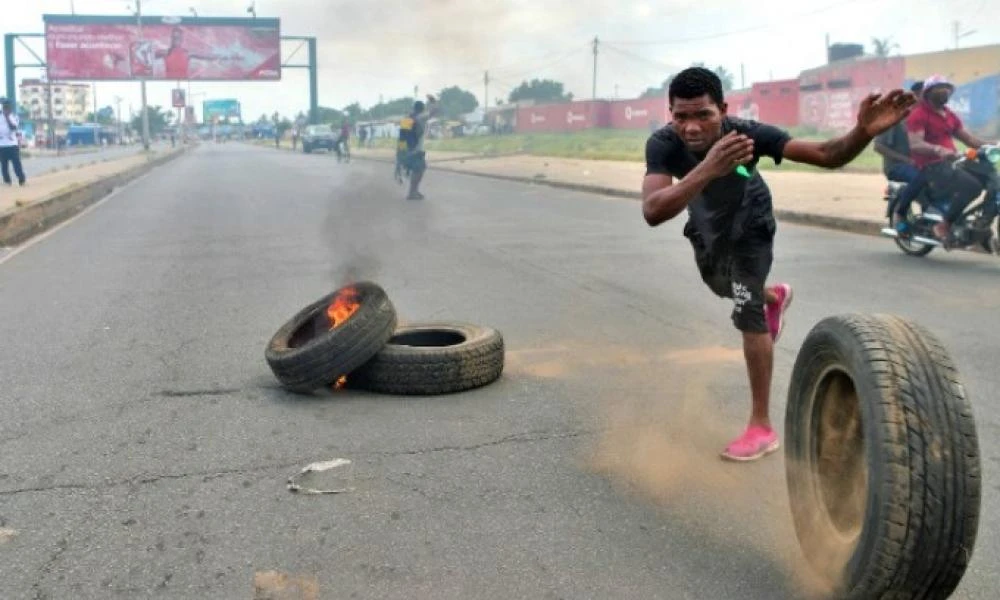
607 144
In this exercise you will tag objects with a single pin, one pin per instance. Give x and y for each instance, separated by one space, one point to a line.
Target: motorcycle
975 226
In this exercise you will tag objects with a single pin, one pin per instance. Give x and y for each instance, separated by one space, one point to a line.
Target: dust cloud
665 450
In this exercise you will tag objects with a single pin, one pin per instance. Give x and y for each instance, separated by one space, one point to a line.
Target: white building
71 102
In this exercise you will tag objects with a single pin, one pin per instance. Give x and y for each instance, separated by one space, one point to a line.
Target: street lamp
142 82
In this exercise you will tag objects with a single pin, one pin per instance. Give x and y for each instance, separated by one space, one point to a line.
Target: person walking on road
411 144
731 223
10 144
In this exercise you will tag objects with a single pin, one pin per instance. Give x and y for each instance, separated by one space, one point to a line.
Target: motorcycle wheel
909 246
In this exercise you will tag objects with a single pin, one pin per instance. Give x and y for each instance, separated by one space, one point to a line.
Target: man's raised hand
878 113
724 156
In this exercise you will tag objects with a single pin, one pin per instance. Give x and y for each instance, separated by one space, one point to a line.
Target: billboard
212 109
109 48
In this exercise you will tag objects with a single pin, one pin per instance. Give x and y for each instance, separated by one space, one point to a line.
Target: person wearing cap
10 144
932 129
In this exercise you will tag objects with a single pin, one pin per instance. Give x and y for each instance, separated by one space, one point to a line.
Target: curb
19 224
845 224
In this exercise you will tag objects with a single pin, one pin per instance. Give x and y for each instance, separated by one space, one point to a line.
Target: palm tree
726 77
884 47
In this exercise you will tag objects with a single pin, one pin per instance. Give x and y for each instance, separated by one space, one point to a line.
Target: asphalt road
145 446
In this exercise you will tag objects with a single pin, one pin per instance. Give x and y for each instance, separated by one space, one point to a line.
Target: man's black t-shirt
730 206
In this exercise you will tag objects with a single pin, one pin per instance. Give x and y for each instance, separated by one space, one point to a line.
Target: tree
392 108
105 116
455 102
726 77
657 92
158 120
353 112
540 90
327 115
884 47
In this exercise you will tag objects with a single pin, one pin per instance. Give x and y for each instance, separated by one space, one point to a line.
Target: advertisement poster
213 110
177 98
169 49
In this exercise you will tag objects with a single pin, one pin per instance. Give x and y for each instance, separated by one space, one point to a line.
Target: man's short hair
695 82
418 106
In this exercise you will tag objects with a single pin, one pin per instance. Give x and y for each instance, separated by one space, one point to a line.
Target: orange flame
340 382
344 304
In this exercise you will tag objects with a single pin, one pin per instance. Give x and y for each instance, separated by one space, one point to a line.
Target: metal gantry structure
12 40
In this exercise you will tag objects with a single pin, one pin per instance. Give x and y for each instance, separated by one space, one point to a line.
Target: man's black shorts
738 270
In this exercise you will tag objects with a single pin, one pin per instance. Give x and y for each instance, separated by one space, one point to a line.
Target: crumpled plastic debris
295 482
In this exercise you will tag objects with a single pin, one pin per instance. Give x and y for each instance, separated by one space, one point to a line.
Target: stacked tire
376 353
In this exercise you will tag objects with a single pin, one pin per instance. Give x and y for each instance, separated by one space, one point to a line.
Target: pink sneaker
775 312
756 442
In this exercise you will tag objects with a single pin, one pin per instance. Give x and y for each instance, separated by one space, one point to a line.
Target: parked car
318 136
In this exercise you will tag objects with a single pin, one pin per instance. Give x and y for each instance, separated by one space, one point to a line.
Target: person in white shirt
10 144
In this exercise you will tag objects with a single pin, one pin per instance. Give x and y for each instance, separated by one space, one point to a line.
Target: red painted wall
639 113
778 102
829 96
569 116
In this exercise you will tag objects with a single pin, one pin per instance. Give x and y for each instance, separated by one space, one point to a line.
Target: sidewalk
846 201
53 197
50 184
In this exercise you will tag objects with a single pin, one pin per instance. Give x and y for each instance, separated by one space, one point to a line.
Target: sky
372 49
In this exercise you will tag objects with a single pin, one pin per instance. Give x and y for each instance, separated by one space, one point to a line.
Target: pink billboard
170 49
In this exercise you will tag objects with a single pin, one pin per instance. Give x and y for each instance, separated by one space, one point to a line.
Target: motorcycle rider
933 128
898 164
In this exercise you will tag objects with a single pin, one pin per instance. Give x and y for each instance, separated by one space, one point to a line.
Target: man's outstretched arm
875 115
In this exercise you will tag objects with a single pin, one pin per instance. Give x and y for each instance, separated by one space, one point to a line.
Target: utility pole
958 33
118 129
142 82
743 76
486 92
596 44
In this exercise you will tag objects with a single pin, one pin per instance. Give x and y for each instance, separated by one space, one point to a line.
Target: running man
731 224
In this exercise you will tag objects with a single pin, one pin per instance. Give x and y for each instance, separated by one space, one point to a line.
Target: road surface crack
193 393
149 479
517 438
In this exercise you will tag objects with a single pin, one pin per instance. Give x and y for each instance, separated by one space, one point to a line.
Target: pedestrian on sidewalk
10 144
731 224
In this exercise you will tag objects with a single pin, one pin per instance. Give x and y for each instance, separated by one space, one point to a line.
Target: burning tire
331 337
434 358
882 459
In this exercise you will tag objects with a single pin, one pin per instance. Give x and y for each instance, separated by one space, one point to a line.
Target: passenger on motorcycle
897 163
932 129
